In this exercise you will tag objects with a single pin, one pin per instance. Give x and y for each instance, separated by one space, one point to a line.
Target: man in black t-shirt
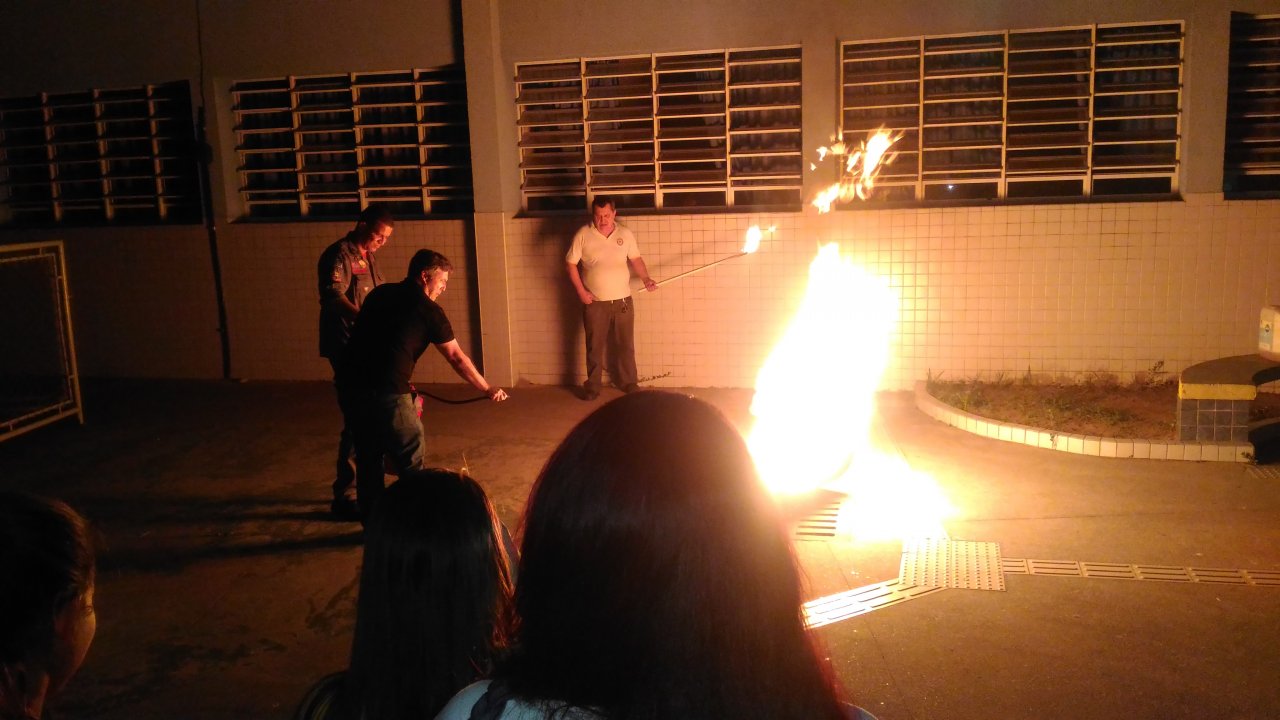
396 324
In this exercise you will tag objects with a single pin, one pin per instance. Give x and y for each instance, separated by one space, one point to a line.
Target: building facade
1116 241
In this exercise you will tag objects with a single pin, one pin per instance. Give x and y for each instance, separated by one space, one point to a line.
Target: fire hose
419 394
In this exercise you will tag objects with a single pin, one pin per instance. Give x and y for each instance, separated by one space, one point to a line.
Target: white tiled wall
269 272
142 300
1046 289
1050 289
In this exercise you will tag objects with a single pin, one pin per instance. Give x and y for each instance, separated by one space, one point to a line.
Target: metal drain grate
851 603
952 563
819 525
1163 573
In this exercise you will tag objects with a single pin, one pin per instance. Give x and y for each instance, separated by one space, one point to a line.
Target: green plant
1080 405
1102 378
1153 376
932 381
974 397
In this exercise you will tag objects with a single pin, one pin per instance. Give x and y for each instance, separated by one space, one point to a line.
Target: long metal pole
673 278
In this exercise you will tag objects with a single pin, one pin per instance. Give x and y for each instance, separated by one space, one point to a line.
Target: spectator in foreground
656 581
47 620
434 606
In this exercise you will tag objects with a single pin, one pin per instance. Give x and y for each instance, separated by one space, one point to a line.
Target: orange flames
861 166
754 235
813 398
815 393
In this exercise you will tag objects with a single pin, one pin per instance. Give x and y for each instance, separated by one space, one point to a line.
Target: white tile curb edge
1079 444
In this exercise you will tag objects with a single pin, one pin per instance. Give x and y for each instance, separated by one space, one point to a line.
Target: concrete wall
1054 289
144 298
269 268
272 303
582 29
66 46
246 41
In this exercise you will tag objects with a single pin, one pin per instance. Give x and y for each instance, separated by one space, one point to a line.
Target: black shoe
590 393
344 510
630 388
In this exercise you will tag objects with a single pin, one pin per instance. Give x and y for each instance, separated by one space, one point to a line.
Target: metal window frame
1074 130
707 129
71 405
320 147
99 157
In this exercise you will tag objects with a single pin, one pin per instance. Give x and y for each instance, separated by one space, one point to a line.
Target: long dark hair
656 577
47 558
435 596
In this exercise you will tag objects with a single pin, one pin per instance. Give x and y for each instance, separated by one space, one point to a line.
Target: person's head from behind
430 270
47 619
374 227
656 576
435 595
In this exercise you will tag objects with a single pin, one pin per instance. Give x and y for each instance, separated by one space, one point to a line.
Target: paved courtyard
226 590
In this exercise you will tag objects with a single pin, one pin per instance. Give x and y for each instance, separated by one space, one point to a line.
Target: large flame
890 500
815 394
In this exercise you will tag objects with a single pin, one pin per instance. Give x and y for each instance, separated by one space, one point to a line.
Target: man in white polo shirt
608 253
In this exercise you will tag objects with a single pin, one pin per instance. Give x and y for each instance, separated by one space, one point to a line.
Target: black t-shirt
396 324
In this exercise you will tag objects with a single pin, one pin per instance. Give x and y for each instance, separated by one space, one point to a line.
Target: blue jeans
381 426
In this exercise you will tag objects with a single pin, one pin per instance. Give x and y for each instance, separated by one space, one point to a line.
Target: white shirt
605 270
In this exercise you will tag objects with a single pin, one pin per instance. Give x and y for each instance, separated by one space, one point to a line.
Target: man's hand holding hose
467 371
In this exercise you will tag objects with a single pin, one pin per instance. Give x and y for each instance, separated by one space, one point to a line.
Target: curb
1078 444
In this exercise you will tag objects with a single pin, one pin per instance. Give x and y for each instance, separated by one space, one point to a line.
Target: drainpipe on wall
204 158
206 203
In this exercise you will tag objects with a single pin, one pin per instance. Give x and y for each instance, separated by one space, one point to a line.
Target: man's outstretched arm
466 370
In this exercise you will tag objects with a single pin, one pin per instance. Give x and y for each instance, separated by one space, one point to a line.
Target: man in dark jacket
347 274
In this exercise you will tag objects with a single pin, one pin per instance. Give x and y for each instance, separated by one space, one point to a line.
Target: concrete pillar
820 96
495 179
1206 47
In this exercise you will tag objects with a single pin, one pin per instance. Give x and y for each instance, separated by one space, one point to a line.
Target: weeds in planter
1098 405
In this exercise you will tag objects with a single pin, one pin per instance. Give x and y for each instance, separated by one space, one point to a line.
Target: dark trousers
382 426
610 324
344 479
